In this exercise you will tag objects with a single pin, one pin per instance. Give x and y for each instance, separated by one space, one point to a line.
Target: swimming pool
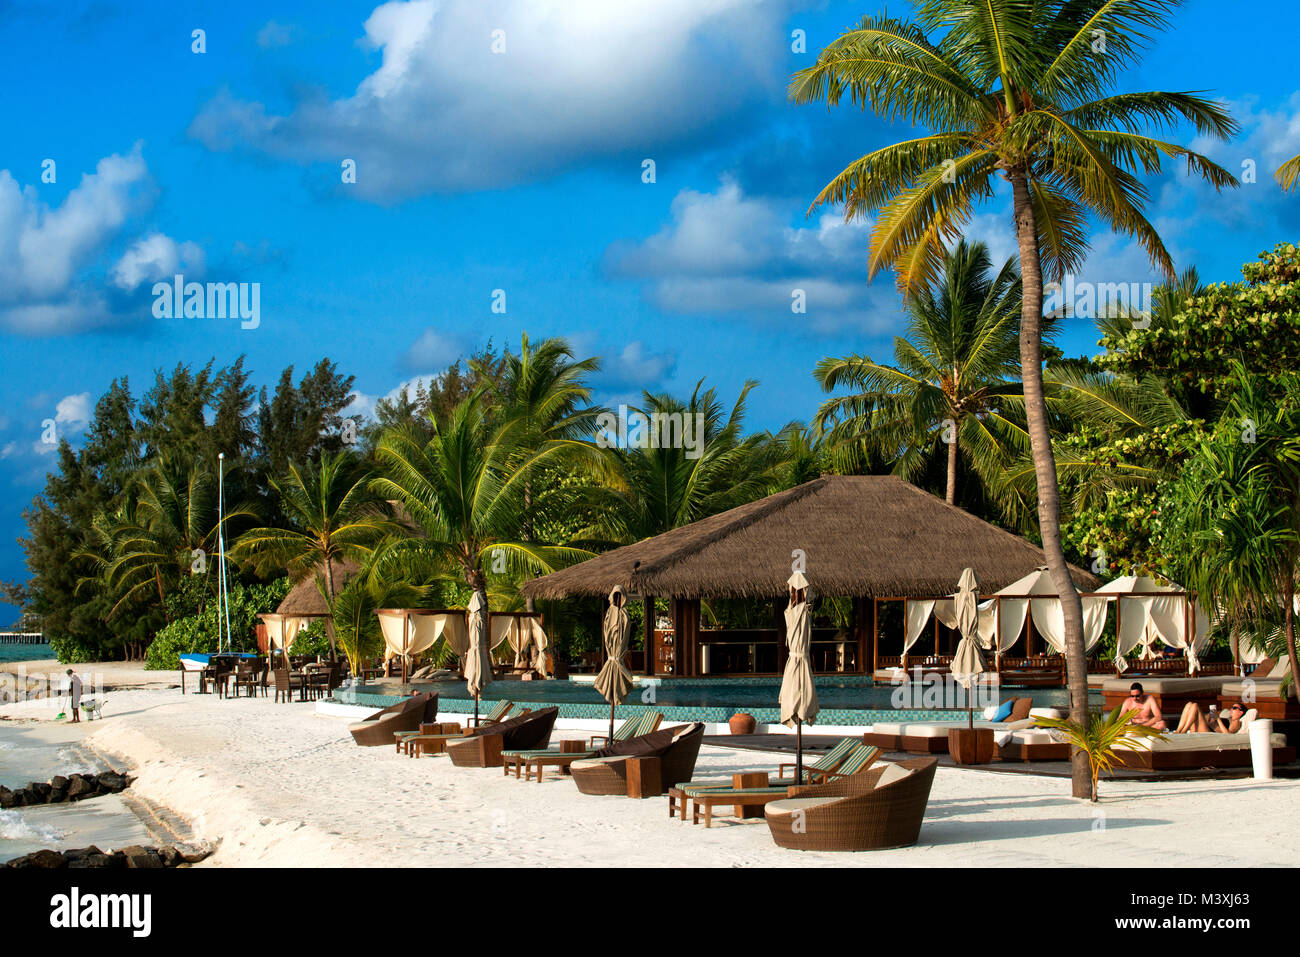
846 700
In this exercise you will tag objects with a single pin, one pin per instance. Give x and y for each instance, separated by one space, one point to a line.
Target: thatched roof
305 599
862 535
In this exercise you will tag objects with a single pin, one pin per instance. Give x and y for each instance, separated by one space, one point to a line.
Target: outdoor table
750 779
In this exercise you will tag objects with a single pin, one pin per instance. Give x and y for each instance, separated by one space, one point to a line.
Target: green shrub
73 650
199 632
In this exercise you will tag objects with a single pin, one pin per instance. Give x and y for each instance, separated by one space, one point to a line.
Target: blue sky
476 171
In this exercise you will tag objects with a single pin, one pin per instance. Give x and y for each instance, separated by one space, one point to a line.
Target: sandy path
279 784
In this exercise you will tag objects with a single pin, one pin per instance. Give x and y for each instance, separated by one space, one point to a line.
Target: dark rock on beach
6 798
80 787
111 782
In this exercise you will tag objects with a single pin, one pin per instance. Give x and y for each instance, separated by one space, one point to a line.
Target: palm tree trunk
1031 373
952 469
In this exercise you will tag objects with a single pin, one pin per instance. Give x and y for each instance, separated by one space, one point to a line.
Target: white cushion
596 762
1159 686
1047 713
790 805
1034 736
990 711
892 773
1002 737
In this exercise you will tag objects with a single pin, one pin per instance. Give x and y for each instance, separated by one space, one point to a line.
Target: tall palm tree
1017 90
167 528
543 400
333 515
658 488
463 488
954 380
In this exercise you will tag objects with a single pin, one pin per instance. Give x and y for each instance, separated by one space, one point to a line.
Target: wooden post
1119 602
1029 629
936 636
782 653
875 634
860 628
648 641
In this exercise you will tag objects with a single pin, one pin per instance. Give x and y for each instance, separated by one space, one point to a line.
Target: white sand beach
279 784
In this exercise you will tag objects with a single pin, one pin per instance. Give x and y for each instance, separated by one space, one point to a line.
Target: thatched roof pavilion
305 599
866 537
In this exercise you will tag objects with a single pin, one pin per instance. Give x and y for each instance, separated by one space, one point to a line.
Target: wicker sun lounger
526 762
879 809
482 747
498 713
414 743
675 749
407 715
708 795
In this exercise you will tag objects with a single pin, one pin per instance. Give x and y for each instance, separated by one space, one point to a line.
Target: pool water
850 699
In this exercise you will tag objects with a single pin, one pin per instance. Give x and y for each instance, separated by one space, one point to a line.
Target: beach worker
1194 719
1144 707
74 688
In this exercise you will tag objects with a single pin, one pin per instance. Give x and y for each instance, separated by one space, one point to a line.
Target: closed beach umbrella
798 694
968 663
615 681
478 660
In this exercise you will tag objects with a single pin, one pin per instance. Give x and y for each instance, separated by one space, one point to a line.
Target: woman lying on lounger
1194 719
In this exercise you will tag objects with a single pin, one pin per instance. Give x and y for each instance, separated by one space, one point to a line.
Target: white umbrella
478 662
798 693
968 662
614 681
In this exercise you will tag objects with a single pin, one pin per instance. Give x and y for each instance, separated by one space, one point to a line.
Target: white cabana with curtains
281 630
526 637
410 631
1148 611
1005 612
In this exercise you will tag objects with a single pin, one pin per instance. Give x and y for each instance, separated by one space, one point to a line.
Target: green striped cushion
831 758
544 752
728 792
860 757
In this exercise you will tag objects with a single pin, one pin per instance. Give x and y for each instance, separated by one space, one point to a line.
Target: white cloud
43 250
726 252
579 80
73 411
157 256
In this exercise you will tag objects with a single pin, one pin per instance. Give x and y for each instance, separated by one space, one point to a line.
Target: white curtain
1049 619
916 615
1134 614
1008 623
454 628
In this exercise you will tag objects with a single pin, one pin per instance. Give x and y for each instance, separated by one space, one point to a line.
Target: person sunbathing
1144 707
1194 720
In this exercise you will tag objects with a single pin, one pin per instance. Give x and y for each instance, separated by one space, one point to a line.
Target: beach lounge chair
482 747
863 812
707 795
498 713
527 761
417 742
406 715
675 750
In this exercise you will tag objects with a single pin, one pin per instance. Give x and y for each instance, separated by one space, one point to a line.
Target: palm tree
166 528
1017 90
953 380
1288 174
333 515
463 489
665 485
542 399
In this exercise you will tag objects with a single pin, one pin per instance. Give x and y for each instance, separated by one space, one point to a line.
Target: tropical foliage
1101 737
953 390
